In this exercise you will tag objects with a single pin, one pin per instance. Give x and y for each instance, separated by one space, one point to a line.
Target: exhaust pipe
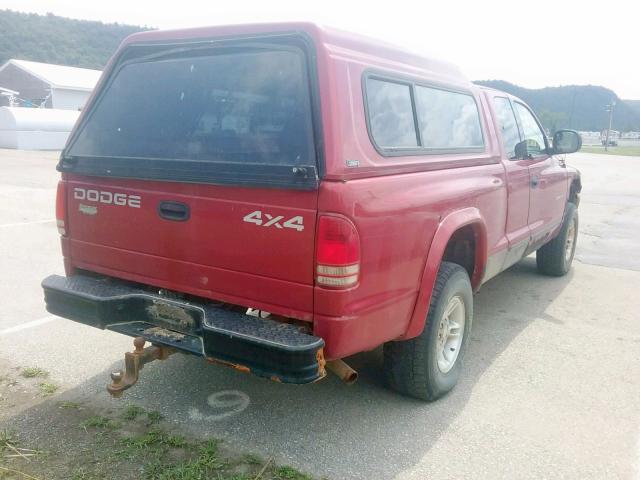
347 374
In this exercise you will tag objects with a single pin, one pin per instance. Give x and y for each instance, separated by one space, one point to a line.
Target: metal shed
35 128
48 85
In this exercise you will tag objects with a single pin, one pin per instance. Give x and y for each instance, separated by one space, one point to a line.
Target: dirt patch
20 388
46 438
171 314
164 333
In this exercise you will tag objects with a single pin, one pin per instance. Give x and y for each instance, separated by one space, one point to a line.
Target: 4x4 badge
268 220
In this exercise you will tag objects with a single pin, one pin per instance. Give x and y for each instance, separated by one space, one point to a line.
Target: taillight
61 207
338 253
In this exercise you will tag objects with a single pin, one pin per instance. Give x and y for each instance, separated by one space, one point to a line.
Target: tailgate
249 243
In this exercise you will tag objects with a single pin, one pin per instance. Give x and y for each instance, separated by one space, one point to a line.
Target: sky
530 43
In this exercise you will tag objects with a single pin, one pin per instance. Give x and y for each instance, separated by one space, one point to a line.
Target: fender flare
447 227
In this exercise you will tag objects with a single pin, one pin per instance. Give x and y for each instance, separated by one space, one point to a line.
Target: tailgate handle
174 211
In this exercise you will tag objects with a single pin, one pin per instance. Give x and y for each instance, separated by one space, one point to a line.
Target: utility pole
609 108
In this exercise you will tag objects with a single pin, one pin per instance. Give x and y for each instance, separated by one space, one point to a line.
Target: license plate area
160 336
164 313
174 317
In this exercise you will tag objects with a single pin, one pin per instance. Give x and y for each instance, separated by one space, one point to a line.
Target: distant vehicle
614 136
630 135
276 198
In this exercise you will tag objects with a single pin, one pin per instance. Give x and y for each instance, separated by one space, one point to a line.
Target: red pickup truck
278 197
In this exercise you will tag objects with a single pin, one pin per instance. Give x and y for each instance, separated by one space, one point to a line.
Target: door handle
174 211
534 182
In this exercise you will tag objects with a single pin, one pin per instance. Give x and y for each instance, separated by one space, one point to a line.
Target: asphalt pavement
550 389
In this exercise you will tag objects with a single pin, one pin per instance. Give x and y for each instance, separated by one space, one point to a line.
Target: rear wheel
428 366
555 258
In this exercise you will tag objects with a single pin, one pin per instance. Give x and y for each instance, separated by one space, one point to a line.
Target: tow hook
133 363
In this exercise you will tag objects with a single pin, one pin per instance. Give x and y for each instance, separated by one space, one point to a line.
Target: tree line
579 107
59 40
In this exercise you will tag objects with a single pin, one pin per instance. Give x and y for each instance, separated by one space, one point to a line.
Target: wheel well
461 249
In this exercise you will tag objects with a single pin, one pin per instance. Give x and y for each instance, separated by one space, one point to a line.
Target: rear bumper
270 349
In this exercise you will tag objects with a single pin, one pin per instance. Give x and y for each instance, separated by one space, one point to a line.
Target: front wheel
428 366
555 258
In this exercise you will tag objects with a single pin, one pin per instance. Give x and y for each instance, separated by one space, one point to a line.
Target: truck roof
334 40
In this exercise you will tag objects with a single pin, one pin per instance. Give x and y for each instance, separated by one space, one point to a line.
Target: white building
48 85
35 128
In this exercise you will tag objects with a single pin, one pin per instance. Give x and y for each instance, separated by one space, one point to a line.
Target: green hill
581 107
52 39
634 104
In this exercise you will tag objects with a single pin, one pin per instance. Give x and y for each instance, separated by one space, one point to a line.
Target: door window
508 126
533 134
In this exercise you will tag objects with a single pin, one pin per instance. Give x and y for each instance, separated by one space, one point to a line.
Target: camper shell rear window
228 113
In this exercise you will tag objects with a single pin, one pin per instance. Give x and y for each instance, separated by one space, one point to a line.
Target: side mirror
566 141
521 150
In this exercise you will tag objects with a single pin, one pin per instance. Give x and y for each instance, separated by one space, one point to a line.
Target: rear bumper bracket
275 350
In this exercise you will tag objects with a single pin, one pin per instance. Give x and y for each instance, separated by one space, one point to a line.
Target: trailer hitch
133 363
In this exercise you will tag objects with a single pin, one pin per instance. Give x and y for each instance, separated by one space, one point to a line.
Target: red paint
403 209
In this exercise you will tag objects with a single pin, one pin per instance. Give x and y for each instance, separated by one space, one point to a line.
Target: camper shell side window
417 118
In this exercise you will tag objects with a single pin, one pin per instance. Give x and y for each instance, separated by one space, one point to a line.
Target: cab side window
508 126
533 134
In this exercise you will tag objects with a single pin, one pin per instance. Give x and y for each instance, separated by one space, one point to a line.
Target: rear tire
555 258
428 366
